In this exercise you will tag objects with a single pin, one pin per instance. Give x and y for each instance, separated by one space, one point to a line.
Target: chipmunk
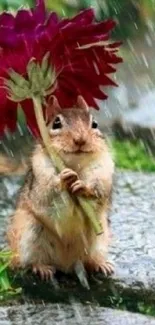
39 239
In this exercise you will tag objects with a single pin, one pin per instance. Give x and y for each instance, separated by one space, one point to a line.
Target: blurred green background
132 15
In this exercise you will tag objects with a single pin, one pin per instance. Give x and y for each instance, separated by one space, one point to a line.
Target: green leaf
45 64
50 78
17 91
5 285
14 98
19 80
4 282
39 83
5 254
9 83
4 266
31 70
38 79
21 93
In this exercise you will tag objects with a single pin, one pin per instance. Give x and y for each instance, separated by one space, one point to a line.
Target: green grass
132 155
131 305
6 289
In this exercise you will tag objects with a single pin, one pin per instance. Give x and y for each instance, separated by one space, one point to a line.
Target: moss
132 155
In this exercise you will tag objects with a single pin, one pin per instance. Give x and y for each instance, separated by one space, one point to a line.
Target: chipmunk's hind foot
107 268
100 265
45 272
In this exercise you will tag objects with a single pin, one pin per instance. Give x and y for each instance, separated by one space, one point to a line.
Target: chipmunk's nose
79 141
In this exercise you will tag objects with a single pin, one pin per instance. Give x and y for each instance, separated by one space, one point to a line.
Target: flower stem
58 163
89 210
85 204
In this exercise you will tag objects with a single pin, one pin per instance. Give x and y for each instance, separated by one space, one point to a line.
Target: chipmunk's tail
11 166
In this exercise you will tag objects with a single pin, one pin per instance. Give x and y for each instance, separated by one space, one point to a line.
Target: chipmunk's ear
54 103
53 108
81 103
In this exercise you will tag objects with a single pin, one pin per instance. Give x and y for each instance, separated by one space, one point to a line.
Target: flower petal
8 37
85 16
79 54
39 12
7 19
24 21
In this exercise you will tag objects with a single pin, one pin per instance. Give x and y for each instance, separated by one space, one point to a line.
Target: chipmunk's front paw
100 265
45 272
68 176
79 187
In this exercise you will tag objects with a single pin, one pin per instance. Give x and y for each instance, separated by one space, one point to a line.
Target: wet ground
132 221
75 314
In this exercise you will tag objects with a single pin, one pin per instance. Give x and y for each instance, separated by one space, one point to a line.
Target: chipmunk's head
74 130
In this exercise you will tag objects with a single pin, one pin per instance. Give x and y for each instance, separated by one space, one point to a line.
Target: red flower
78 49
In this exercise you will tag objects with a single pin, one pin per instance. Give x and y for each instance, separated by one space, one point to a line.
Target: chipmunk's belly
74 238
71 221
72 248
65 215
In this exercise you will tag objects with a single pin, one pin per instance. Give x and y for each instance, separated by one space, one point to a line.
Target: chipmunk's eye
57 123
94 125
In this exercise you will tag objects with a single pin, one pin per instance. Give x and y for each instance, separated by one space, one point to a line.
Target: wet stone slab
132 249
73 314
133 225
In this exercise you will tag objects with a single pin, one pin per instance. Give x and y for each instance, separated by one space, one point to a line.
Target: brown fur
34 233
